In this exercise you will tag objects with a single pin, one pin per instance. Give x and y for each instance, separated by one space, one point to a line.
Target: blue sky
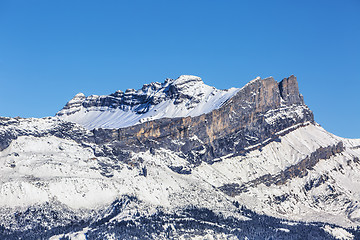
51 50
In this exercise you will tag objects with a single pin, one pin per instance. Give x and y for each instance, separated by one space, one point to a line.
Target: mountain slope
257 166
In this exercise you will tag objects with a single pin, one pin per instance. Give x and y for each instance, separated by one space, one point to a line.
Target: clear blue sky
51 50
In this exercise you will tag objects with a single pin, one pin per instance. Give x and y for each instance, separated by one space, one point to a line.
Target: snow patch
339 233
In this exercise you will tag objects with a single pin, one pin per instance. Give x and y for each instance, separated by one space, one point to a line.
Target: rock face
233 164
289 90
74 104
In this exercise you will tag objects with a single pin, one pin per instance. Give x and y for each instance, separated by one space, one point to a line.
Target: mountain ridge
258 157
184 96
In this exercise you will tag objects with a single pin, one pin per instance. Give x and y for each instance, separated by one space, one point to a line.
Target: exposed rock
289 90
74 104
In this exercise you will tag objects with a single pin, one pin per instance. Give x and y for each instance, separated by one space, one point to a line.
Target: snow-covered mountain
249 163
185 96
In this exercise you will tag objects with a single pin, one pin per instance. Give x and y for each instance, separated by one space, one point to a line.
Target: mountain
180 160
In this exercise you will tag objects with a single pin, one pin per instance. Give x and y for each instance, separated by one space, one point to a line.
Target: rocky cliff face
253 117
289 90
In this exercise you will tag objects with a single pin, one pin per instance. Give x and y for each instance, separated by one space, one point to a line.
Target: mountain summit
179 159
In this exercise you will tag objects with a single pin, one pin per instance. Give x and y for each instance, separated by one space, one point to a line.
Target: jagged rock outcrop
289 90
74 104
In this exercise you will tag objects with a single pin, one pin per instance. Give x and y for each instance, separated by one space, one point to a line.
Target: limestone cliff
254 116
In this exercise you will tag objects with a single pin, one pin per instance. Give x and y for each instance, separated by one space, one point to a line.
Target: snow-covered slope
326 190
185 96
39 170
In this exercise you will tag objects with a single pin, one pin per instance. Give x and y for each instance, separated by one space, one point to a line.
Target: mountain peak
79 95
185 96
74 104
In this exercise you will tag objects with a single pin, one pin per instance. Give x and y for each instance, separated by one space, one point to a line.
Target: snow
73 236
71 175
283 229
65 171
277 156
49 169
35 170
273 158
339 233
283 113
